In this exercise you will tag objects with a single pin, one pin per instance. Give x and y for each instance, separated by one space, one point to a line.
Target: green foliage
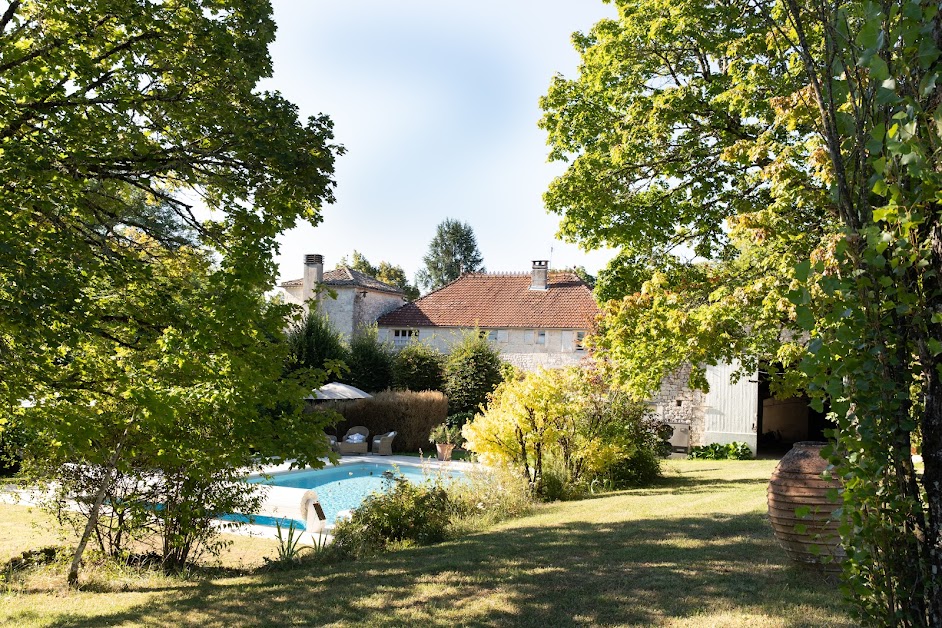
790 145
563 429
487 495
410 414
472 372
402 514
446 433
418 366
716 451
13 439
315 345
289 543
156 348
370 362
452 252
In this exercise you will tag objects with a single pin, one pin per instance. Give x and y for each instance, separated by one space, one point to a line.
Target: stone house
534 319
359 299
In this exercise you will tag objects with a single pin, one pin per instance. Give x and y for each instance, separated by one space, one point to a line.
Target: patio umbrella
336 390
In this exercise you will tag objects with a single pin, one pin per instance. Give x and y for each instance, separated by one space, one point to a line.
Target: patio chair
382 444
332 442
355 441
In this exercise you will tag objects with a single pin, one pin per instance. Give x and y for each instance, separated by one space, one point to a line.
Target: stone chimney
539 275
313 275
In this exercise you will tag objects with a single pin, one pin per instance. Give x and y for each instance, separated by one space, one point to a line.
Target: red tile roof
501 301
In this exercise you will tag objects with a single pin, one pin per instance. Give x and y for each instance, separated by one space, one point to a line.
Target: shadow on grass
638 573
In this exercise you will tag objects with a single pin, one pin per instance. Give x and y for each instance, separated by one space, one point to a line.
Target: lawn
695 550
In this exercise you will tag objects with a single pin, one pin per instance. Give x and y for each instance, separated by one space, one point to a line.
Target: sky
437 104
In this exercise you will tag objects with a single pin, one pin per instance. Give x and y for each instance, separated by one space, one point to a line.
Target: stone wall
370 305
676 402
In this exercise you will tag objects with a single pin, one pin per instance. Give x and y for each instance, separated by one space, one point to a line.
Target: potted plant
446 438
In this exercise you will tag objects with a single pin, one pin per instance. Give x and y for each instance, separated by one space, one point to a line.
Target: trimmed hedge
411 414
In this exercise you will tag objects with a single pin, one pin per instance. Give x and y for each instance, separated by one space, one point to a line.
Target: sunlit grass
695 550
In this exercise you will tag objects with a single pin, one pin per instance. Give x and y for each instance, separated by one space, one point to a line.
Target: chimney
313 275
539 274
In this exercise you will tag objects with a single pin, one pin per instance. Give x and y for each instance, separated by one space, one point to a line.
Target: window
580 341
541 337
492 335
402 337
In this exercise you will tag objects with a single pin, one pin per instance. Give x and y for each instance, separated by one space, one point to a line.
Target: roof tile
501 301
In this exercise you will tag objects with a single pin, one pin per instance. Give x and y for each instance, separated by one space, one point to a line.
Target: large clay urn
801 511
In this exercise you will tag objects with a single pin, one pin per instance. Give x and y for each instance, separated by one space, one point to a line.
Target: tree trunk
96 509
932 483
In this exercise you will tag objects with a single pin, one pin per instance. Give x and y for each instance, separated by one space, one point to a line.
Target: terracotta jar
444 450
801 511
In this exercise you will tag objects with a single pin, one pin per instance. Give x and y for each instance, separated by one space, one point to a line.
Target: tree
418 367
314 344
452 252
371 362
790 145
385 272
105 98
472 372
135 348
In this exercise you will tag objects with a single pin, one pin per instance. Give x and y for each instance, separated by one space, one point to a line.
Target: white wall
731 409
517 346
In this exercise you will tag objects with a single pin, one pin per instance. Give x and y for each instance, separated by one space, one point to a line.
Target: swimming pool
344 487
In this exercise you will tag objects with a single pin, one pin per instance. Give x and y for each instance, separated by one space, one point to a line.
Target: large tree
452 252
791 145
143 181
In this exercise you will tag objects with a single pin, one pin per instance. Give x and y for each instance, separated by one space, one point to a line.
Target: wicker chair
382 444
345 447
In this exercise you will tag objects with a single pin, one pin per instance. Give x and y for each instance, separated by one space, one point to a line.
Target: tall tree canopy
143 181
791 145
103 98
385 272
452 252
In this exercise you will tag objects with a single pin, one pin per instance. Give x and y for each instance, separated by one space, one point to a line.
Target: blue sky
437 104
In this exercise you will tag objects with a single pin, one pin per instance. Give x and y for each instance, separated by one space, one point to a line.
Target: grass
695 550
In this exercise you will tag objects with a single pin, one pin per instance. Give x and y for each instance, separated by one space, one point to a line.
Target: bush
716 451
370 363
472 372
487 495
313 344
411 414
565 429
403 514
418 367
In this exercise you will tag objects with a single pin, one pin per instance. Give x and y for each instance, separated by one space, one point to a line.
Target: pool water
344 487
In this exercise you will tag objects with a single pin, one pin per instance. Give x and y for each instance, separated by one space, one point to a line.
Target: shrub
445 433
418 367
370 362
411 414
403 514
313 344
487 495
472 372
715 451
563 429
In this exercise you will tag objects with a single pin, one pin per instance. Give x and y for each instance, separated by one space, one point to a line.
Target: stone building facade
534 319
350 300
